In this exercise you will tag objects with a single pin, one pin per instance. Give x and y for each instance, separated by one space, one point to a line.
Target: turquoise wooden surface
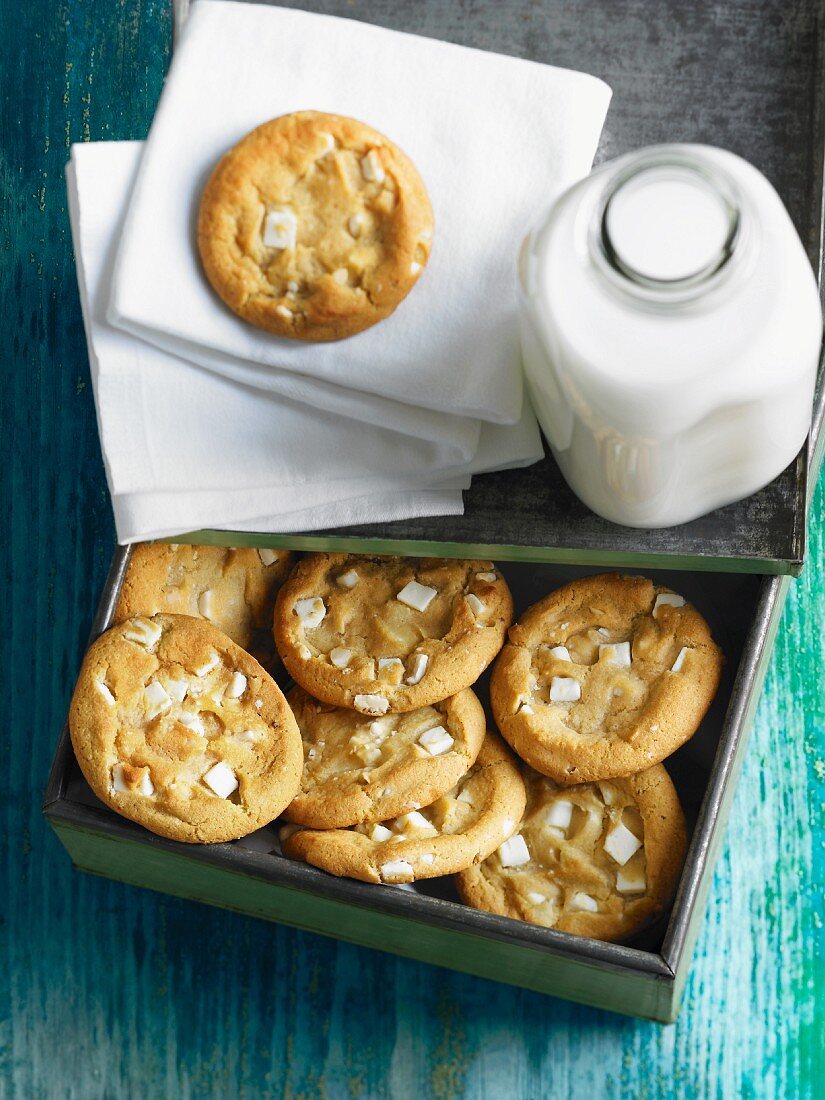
108 991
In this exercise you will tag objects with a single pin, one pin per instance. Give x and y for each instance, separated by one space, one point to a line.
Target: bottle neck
668 228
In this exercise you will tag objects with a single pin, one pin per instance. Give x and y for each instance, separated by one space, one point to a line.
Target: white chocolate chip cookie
181 730
314 227
598 859
461 828
604 677
360 769
233 588
384 634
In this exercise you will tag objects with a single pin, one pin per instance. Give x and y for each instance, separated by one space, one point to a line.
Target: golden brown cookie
314 226
461 828
359 769
179 729
604 677
385 635
234 588
599 859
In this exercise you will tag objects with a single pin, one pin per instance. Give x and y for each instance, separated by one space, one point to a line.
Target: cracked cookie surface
234 588
314 226
359 769
598 859
604 677
458 829
388 634
181 730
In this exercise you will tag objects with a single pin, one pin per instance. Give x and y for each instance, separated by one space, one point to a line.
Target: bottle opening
667 226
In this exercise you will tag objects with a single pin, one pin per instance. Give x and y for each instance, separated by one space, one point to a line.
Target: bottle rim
623 276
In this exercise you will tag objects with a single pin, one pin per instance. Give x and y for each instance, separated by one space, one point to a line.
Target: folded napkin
494 137
185 448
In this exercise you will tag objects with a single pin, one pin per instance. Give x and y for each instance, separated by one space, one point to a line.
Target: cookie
598 859
385 635
181 730
314 227
461 828
604 677
359 769
233 588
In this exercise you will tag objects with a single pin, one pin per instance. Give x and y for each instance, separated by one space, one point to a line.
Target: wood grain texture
110 992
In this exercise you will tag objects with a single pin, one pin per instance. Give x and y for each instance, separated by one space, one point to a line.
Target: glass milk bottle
671 329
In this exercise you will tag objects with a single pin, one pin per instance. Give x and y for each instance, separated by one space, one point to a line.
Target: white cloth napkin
494 137
186 449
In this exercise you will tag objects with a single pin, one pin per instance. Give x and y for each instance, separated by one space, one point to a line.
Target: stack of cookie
401 777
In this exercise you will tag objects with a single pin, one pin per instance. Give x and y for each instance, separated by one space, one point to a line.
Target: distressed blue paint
108 991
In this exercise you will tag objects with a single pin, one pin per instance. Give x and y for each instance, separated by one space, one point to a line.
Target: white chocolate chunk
327 142
142 631
417 596
212 661
680 660
221 779
105 692
285 312
621 844
348 579
605 633
465 796
267 556
428 858
341 276
561 653
560 814
118 783
415 268
371 167
340 657
237 686
436 741
248 737
310 611
382 726
206 603
371 704
667 599
514 852
525 708
486 577
418 666
192 722
156 698
380 833
615 653
397 870
608 793
146 786
177 689
632 881
563 689
583 903
304 652
414 820
536 899
477 606
293 287
280 228
389 662
355 224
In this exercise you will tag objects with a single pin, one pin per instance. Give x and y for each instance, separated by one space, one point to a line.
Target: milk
671 329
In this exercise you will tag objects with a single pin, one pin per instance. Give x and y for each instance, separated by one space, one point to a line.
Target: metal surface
743 76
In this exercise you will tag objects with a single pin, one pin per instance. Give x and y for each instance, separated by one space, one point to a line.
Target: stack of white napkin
207 422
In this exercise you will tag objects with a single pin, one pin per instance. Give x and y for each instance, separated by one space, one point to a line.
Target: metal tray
744 74
646 977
